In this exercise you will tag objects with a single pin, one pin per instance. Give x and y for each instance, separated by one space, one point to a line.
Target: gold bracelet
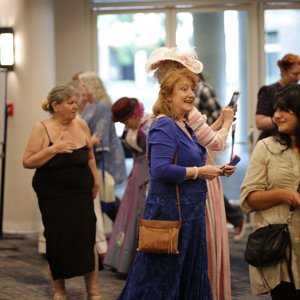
196 172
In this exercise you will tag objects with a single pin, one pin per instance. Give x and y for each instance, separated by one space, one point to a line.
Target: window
281 37
125 42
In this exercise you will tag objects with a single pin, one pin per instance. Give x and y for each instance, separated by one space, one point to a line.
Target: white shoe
95 297
60 296
239 231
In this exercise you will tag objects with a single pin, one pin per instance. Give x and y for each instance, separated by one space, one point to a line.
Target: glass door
280 37
223 51
125 42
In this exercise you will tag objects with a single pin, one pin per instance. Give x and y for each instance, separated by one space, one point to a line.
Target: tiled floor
24 274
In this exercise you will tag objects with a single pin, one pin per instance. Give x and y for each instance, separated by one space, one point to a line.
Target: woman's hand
37 152
235 107
270 198
291 197
62 146
96 138
95 190
210 172
228 170
224 120
227 114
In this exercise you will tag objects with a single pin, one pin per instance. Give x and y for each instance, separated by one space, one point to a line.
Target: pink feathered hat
186 58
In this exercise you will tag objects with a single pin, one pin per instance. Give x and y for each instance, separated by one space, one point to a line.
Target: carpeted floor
24 273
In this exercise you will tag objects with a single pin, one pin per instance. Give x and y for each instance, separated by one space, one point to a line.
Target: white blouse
270 167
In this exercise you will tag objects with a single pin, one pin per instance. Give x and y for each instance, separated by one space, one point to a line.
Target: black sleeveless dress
64 190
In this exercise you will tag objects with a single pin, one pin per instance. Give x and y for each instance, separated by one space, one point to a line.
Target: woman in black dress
289 67
66 182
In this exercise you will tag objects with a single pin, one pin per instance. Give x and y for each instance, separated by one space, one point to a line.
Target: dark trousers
285 290
234 214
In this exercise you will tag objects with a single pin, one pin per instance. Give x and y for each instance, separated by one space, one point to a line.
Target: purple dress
98 117
123 239
183 276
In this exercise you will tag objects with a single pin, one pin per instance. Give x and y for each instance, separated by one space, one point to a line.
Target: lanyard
232 139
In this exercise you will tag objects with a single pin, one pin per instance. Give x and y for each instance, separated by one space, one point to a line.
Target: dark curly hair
288 99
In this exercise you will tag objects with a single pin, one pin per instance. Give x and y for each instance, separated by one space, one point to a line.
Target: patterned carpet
24 273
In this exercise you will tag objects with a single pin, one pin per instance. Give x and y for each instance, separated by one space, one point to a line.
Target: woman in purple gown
183 276
123 239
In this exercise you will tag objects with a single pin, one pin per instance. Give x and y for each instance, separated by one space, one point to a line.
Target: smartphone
234 98
235 160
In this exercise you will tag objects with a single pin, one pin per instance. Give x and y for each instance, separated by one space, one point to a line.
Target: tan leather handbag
160 236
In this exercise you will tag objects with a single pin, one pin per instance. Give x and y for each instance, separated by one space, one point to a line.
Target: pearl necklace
185 130
180 124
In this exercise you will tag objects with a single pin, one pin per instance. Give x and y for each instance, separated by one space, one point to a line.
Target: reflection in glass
281 37
125 42
223 51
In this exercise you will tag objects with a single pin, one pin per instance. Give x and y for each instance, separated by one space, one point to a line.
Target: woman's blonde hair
58 94
94 85
167 85
164 67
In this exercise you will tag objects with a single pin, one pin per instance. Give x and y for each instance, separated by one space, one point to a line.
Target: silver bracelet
196 172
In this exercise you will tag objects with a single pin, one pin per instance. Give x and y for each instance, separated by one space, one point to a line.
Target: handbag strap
177 191
289 259
292 209
291 212
103 167
177 187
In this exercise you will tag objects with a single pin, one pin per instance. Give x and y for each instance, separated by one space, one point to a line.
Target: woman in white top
269 190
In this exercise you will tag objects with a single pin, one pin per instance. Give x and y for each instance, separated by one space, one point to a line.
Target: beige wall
72 38
51 45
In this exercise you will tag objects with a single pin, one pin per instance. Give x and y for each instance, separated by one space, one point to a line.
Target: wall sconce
7 56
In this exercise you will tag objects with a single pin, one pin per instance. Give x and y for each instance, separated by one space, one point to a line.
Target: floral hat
186 58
